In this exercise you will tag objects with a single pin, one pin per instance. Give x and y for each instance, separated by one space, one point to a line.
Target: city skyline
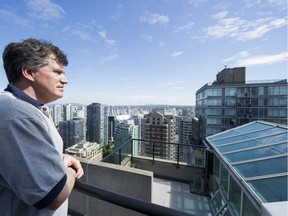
151 52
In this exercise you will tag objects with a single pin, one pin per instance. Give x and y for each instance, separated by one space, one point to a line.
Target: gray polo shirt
32 173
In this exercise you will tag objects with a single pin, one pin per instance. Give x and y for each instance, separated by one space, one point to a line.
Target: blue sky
137 52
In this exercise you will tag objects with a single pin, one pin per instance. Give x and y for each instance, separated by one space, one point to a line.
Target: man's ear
28 73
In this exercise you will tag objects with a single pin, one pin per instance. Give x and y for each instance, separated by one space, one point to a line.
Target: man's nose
64 79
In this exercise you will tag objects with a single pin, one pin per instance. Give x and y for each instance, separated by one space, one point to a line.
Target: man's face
49 81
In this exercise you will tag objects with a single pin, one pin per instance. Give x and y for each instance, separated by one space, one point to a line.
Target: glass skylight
257 151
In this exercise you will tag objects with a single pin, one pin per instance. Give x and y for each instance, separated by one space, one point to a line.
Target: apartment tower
231 101
97 123
159 127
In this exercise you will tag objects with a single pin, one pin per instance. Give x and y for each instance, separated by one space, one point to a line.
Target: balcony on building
241 171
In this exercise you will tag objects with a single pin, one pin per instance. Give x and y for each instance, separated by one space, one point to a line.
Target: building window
283 90
216 112
230 91
214 102
248 208
261 91
216 167
283 113
235 196
224 179
213 121
230 112
230 102
214 92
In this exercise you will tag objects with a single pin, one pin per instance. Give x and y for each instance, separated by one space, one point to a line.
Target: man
35 178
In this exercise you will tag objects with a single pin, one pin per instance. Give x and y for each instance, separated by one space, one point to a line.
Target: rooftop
257 152
251 177
177 195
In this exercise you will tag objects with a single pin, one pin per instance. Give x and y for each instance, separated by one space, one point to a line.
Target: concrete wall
167 170
129 181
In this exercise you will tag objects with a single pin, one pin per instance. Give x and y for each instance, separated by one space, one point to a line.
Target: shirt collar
21 95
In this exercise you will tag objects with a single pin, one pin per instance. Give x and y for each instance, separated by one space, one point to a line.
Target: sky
138 52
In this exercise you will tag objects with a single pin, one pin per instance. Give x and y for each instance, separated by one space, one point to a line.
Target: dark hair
30 53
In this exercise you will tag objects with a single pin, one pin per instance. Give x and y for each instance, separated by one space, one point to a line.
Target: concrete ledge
166 170
126 180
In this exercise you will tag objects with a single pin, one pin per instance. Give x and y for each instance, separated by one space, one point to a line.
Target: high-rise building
68 112
124 131
72 131
185 130
57 113
97 123
80 112
158 126
230 101
111 127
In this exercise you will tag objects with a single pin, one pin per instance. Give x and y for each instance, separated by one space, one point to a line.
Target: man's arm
73 171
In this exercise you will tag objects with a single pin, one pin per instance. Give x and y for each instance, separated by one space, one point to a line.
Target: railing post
119 159
178 155
153 147
132 142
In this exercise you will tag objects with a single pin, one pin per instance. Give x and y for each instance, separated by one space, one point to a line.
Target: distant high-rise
97 123
185 130
124 131
72 131
230 101
57 113
111 127
159 126
68 112
80 112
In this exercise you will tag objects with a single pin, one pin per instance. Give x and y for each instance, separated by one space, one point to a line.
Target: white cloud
80 33
12 17
242 54
154 18
242 29
104 59
147 37
176 54
196 2
244 59
186 27
280 4
119 12
45 9
220 15
103 35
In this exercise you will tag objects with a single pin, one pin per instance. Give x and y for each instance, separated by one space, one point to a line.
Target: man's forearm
71 176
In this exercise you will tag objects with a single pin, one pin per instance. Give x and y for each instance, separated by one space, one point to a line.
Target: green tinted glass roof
257 151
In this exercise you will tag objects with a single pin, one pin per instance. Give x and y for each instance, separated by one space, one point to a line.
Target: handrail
128 202
153 141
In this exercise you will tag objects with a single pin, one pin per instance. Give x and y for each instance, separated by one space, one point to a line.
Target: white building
87 151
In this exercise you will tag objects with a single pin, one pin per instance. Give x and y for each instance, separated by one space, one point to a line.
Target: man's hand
70 161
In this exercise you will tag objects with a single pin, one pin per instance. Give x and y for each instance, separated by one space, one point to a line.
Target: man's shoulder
9 101
12 107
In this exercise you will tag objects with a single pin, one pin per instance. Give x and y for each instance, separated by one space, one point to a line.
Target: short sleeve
30 164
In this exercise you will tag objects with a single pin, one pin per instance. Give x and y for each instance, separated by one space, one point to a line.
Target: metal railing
124 201
193 155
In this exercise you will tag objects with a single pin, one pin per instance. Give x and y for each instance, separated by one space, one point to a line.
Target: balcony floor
177 195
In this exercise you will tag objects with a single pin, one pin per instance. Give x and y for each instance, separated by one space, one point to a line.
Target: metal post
178 155
119 159
153 146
